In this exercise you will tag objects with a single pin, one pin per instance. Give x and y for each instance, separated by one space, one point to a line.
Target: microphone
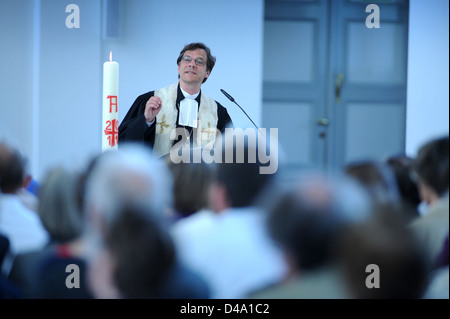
232 100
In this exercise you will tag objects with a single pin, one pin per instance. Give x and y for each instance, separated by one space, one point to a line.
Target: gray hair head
131 174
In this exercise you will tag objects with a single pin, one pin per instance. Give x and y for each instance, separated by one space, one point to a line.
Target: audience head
128 196
12 169
240 176
59 207
432 168
381 259
306 219
402 167
378 180
84 177
192 182
137 257
130 174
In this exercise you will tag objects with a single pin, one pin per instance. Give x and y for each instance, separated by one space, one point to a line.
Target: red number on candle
111 131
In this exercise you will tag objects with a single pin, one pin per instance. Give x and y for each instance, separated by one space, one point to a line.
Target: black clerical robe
135 128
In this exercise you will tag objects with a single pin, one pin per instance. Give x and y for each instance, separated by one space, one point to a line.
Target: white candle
110 130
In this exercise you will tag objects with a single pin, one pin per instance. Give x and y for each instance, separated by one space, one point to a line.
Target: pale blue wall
16 73
428 73
69 85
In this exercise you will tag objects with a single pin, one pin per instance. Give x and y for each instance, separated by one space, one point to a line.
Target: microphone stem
248 117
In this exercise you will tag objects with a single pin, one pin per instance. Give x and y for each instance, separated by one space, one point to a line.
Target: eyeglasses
199 61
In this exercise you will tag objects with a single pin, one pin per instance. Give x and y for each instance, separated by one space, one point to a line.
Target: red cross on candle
111 132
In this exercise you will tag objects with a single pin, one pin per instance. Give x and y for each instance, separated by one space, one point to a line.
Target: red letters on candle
112 102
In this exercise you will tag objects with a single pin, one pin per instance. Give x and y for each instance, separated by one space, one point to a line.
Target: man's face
191 69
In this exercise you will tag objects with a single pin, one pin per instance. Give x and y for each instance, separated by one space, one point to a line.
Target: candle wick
110 56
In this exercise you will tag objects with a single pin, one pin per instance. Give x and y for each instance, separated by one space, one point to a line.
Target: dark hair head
192 183
377 178
431 164
12 169
402 166
240 171
210 59
306 220
142 249
306 232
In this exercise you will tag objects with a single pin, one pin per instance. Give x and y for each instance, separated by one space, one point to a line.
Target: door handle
323 121
337 87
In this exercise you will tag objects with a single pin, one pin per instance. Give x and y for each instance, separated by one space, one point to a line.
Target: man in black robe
154 115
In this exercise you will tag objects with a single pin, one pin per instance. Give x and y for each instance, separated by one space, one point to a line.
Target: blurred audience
381 259
438 287
192 184
129 251
8 290
403 168
136 226
380 182
307 222
377 179
432 169
18 223
229 246
60 212
4 249
442 258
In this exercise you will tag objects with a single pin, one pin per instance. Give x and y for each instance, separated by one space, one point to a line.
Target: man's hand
152 108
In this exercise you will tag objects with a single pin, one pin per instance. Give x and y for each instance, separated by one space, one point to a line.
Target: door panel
375 56
368 121
316 50
296 34
302 150
362 120
294 73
